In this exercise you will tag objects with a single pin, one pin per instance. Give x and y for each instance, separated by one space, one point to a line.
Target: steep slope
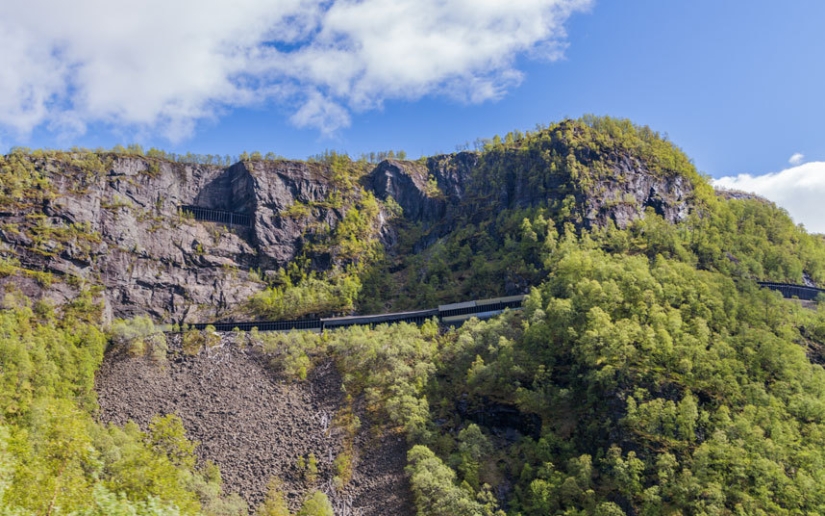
114 220
646 374
257 424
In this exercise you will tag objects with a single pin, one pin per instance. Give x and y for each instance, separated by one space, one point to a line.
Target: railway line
790 290
450 314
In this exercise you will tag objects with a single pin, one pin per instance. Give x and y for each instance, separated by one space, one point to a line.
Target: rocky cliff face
629 190
126 233
152 259
622 194
148 257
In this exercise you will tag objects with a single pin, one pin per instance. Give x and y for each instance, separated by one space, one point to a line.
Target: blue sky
738 85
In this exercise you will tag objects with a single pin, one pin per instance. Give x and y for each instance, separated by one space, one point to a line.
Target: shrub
275 502
139 336
192 342
317 504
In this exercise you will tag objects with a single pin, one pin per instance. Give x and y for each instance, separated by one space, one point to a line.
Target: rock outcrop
408 184
630 190
276 186
148 257
256 424
152 259
622 195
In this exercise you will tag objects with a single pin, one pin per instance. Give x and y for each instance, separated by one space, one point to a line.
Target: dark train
452 314
448 315
790 291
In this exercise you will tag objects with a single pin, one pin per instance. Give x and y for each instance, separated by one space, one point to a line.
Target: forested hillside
646 374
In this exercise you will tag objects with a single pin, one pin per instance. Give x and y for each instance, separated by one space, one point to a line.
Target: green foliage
500 242
107 503
22 185
393 207
54 457
753 238
275 502
665 381
392 376
343 469
298 211
572 156
194 341
354 239
166 433
671 377
310 296
433 485
310 470
474 261
139 337
524 190
290 353
348 249
431 188
377 157
473 447
41 361
316 504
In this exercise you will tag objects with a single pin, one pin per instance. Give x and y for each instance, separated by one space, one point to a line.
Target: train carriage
450 314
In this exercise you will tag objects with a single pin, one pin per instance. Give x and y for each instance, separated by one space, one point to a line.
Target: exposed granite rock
410 184
432 194
739 195
406 183
152 260
275 186
631 189
453 173
622 197
256 424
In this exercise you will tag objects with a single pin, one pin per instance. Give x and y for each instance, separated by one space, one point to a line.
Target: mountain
115 220
647 372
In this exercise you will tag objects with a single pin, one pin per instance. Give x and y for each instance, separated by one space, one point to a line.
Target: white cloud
800 190
318 111
171 63
796 159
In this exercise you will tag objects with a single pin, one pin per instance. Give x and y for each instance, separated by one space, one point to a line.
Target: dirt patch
256 425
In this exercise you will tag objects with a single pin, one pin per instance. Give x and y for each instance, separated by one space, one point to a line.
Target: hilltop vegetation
500 243
662 387
647 373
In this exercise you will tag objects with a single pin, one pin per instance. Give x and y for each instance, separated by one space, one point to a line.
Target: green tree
316 504
275 502
168 435
433 486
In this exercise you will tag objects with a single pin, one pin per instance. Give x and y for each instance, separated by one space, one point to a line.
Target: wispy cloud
800 190
796 159
172 63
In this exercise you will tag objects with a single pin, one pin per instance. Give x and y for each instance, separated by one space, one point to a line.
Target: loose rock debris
254 425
